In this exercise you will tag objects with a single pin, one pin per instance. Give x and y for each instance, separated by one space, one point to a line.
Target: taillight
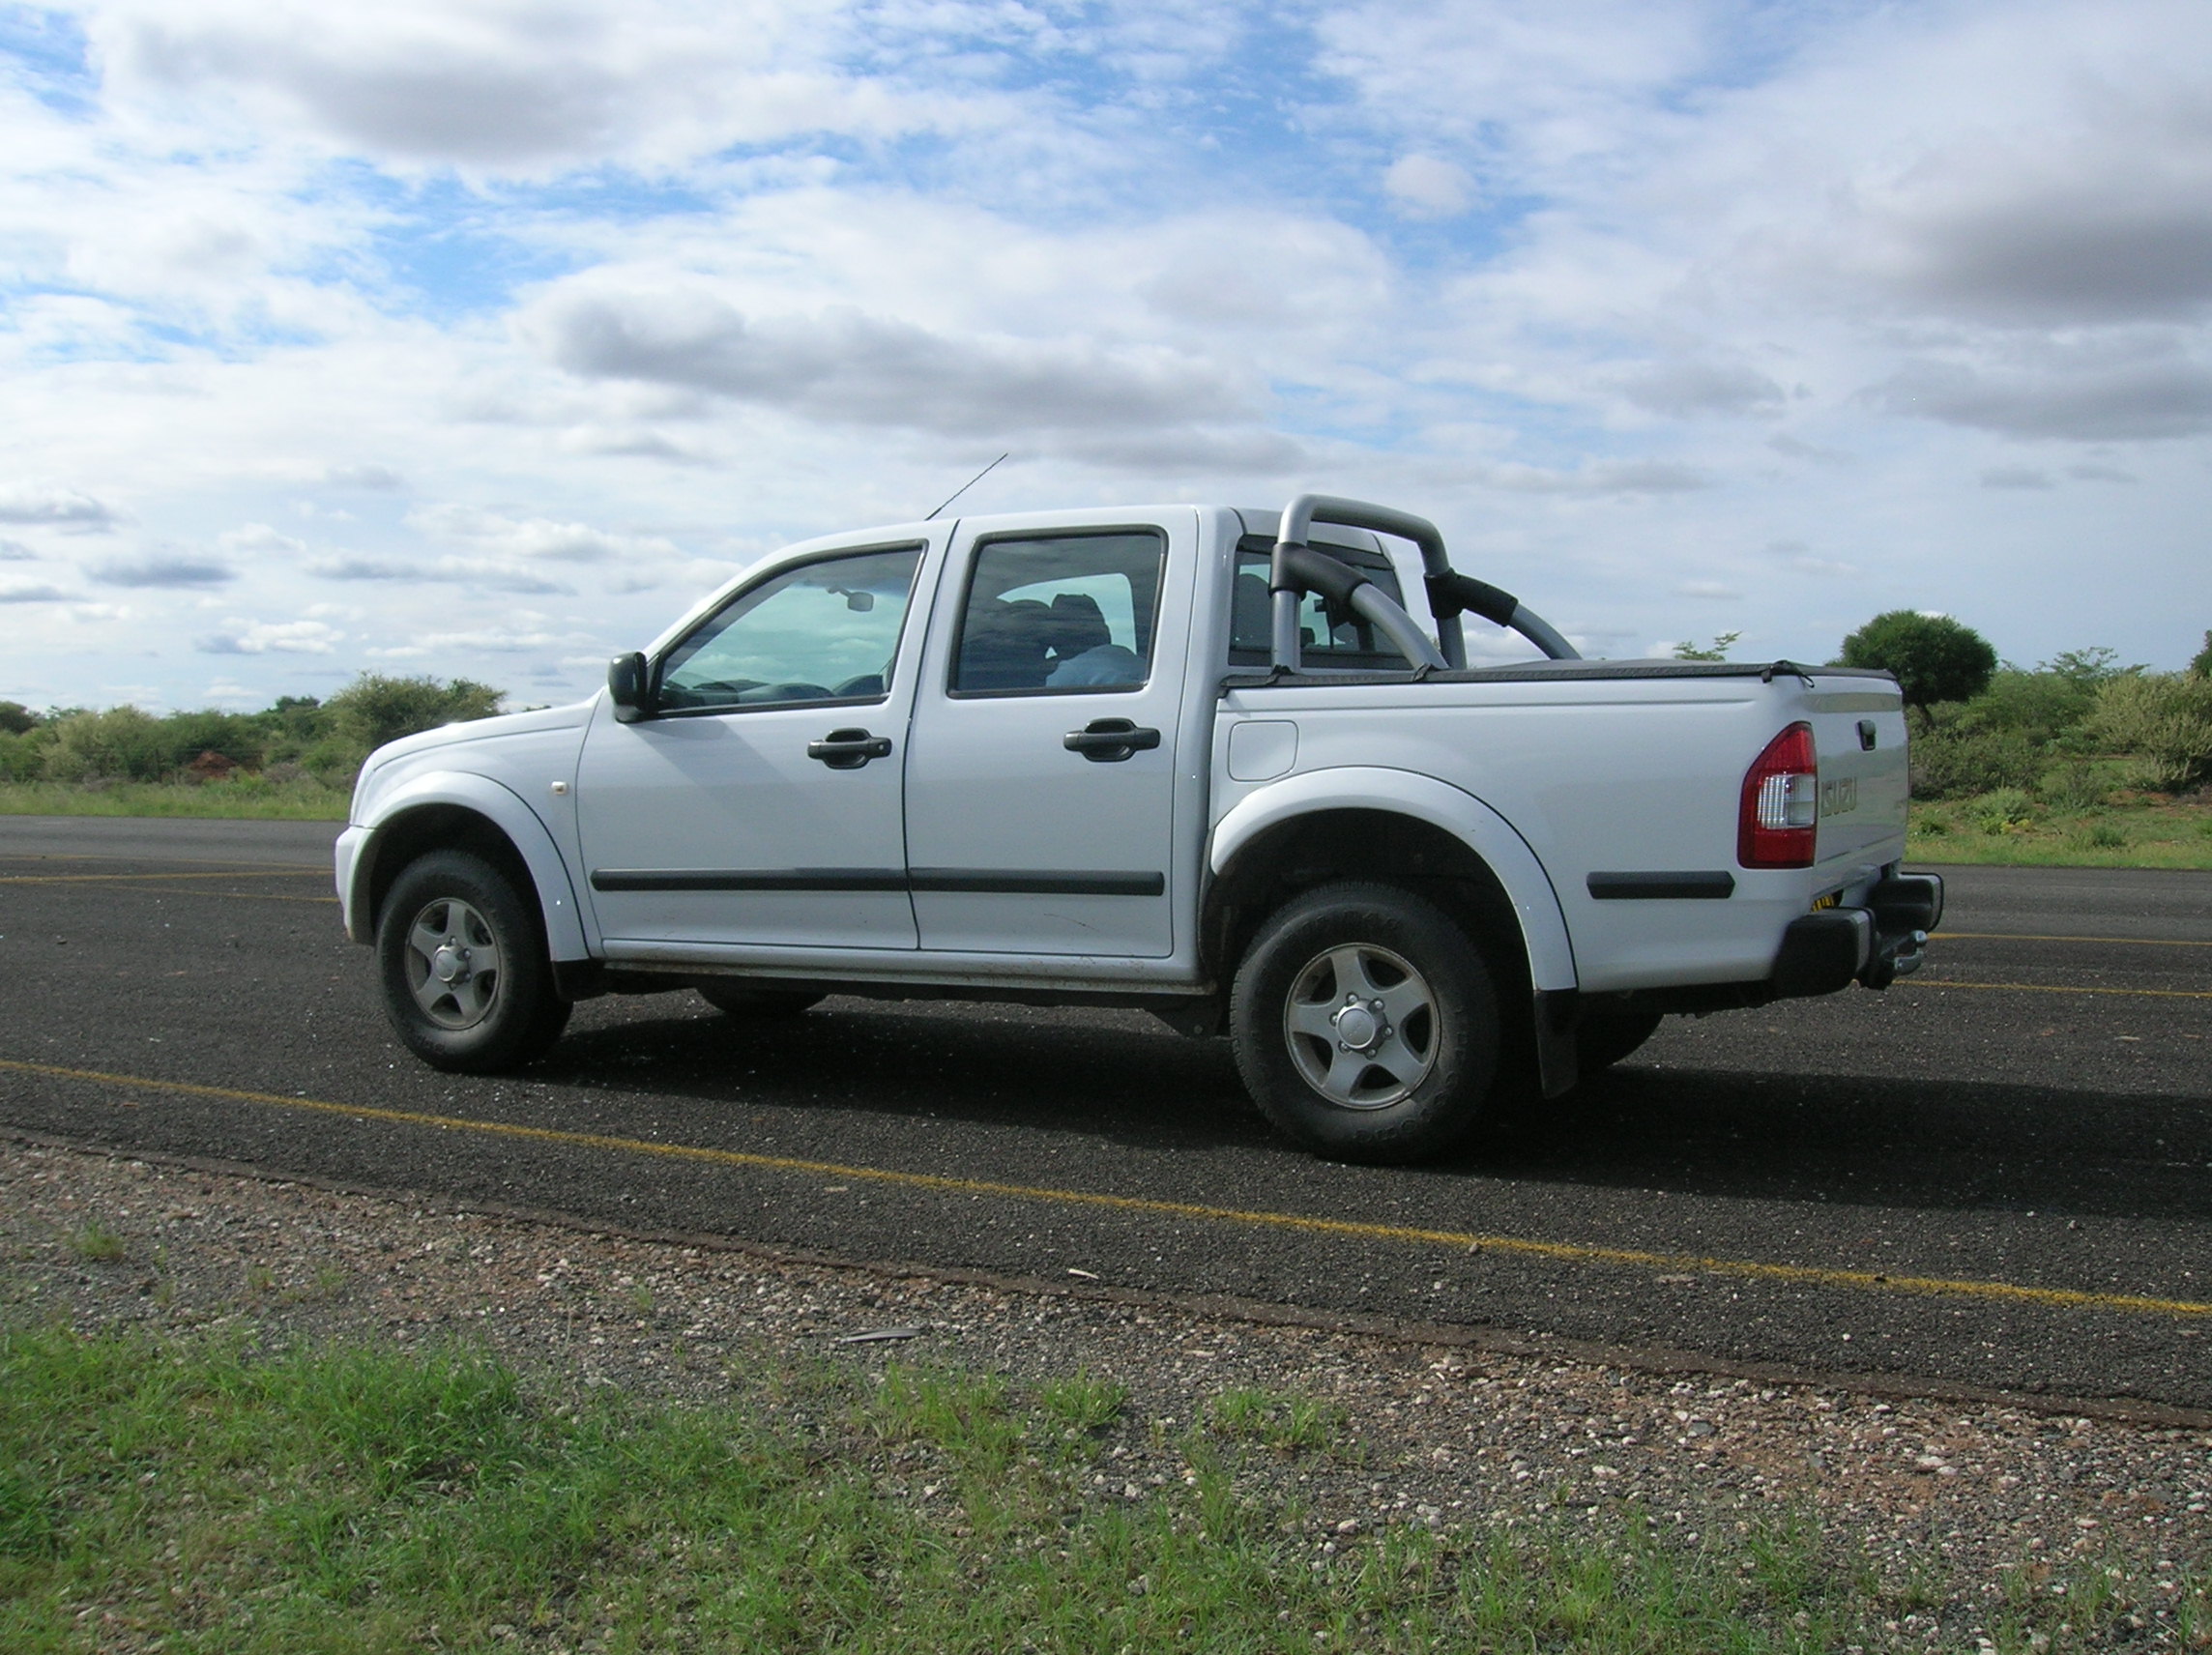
1781 810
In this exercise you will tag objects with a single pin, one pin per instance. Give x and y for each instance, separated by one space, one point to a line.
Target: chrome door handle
849 749
1110 740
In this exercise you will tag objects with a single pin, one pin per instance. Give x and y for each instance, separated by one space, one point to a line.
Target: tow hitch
1876 944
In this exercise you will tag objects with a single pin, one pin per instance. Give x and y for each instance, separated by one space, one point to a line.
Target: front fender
498 804
1406 792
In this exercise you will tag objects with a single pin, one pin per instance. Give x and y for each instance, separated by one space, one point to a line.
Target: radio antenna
970 483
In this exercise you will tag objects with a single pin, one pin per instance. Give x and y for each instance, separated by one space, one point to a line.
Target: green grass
95 1241
250 797
1286 1424
2021 829
159 1491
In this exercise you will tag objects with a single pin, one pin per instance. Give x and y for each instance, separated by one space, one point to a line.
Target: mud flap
1558 1067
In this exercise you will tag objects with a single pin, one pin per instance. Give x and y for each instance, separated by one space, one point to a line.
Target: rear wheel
740 999
466 980
1365 1024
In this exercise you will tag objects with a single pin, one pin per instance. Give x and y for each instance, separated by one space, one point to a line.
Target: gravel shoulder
1943 1500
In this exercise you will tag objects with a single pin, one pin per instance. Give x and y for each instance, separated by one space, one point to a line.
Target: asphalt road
1997 1174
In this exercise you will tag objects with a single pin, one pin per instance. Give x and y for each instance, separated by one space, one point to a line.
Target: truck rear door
1041 773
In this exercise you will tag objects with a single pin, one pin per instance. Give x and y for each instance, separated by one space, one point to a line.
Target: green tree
2201 666
1717 651
15 718
374 709
1932 657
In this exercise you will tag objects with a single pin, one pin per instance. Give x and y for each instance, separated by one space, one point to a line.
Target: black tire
1431 1036
1602 1041
446 912
740 999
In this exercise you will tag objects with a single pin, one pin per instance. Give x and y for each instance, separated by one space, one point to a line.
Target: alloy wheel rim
454 964
1361 1025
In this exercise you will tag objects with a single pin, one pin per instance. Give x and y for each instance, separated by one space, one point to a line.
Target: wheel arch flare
453 811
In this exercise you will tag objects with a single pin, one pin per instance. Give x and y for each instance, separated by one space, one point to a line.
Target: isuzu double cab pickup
1233 767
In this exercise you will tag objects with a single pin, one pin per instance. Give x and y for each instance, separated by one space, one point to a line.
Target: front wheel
1365 1024
466 981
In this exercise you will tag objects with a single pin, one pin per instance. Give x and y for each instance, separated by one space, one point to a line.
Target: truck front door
761 802
1040 775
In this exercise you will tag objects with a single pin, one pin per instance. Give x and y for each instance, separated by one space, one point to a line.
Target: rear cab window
1332 635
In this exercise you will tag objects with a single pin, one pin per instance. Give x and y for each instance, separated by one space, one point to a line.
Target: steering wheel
788 692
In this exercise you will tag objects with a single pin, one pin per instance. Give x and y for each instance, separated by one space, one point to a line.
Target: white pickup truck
1232 767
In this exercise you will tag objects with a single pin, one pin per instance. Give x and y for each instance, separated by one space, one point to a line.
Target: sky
479 337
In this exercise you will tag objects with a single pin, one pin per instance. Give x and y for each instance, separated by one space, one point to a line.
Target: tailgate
1858 731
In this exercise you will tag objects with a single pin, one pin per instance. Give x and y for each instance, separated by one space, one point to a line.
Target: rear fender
1535 904
504 809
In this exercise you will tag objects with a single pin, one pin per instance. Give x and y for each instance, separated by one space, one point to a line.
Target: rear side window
1059 614
821 631
1332 635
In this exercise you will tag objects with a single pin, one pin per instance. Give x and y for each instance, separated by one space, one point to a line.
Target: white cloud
32 592
55 507
263 637
1686 387
379 477
525 86
164 568
2088 398
1602 477
848 367
16 552
1427 188
533 540
259 537
2014 477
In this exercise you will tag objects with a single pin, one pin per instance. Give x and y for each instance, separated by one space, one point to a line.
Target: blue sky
478 339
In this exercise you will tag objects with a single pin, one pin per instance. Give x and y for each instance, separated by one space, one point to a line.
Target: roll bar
1296 567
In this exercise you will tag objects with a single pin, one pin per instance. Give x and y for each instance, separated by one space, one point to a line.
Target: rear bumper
1873 945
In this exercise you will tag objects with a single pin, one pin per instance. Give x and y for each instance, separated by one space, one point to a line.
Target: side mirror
629 687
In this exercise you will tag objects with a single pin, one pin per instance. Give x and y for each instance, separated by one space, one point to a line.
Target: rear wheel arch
1330 846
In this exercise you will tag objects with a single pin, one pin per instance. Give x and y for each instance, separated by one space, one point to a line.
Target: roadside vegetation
294 760
187 1494
2080 761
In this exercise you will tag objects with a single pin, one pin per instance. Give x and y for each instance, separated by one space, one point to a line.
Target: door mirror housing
630 687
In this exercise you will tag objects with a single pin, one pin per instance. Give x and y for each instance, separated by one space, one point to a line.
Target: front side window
1332 635
821 631
1060 613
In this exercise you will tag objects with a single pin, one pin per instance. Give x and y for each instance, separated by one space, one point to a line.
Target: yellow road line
1563 1252
2037 937
2057 988
132 879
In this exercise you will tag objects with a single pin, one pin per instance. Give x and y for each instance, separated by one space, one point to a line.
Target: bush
374 709
2075 787
1951 760
2042 706
2003 811
2161 719
121 744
